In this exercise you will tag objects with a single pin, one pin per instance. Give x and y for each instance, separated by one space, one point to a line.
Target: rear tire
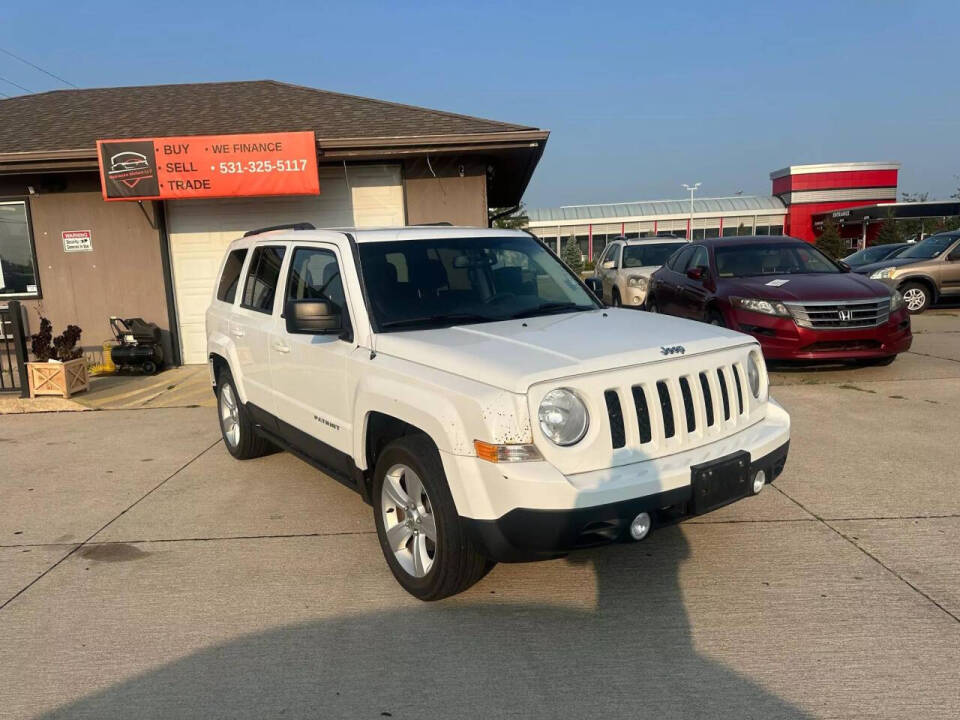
916 297
413 504
239 436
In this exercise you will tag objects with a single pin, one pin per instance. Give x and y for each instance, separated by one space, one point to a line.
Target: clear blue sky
640 97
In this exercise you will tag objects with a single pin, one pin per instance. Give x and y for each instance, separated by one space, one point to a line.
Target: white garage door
200 231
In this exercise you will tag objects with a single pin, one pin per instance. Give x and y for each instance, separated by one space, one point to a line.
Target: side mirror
609 265
312 317
844 266
595 285
697 273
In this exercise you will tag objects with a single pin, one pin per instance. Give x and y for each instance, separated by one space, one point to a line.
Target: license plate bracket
720 482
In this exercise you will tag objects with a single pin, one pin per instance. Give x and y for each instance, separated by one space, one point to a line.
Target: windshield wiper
550 308
446 319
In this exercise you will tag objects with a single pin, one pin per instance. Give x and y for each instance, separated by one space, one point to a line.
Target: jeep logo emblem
846 314
672 349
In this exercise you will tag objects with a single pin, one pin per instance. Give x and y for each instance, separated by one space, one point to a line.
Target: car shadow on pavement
631 654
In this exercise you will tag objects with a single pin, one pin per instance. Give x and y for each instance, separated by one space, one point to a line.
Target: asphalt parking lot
145 573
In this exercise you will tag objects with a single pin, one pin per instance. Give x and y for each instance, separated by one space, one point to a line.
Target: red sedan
798 303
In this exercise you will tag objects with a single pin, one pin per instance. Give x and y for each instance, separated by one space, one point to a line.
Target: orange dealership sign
206 166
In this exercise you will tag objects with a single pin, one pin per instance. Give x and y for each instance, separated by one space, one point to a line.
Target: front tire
714 317
615 300
420 532
236 426
651 305
916 297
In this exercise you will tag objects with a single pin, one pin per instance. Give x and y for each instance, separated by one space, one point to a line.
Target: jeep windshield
417 284
773 258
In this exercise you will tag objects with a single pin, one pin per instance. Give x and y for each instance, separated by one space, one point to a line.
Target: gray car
625 267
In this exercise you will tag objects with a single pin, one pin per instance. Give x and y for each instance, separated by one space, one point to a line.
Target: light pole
692 189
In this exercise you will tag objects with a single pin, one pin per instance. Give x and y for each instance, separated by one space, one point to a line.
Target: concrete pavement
145 573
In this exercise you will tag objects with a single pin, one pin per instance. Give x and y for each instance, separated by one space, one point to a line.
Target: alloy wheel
914 298
229 415
408 520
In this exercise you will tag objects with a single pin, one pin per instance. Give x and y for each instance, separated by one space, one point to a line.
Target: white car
472 390
625 267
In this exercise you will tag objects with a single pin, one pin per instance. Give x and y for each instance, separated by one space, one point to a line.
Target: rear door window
262 277
230 278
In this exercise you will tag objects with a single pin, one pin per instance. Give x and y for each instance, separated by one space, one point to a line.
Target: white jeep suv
479 397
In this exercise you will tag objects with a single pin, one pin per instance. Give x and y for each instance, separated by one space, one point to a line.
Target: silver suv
625 267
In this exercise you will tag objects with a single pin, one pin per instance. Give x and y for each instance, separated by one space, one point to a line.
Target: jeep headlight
637 281
896 301
563 417
883 274
754 360
759 305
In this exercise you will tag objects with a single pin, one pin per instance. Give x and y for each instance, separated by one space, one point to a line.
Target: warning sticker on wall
77 240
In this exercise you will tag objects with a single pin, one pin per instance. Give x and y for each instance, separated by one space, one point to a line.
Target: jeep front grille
674 409
841 315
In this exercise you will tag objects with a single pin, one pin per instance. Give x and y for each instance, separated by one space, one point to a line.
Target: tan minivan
925 273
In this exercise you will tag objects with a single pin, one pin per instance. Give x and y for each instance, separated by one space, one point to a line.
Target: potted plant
59 367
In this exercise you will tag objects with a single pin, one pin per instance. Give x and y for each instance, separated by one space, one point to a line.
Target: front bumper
782 339
523 534
525 511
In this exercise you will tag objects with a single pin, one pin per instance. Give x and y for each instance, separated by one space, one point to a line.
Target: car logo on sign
672 350
846 315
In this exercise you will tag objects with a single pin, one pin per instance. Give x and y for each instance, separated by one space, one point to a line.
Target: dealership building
88 232
801 197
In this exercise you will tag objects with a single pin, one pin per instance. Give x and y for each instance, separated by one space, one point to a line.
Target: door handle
236 332
280 347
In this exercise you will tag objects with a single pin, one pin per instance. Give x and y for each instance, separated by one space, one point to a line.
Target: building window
712 232
729 231
776 229
762 230
18 275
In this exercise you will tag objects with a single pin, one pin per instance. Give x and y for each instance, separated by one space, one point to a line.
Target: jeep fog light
563 417
640 526
759 480
506 453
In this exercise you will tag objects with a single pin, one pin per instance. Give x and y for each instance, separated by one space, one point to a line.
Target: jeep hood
515 354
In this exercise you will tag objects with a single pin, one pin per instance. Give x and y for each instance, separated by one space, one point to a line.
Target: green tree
889 232
830 241
571 254
515 220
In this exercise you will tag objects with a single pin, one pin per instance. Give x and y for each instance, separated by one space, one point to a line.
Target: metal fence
13 350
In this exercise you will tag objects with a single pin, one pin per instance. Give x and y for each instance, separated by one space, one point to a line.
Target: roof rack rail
442 223
290 226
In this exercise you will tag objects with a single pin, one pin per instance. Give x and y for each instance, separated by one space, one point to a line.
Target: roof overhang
878 212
